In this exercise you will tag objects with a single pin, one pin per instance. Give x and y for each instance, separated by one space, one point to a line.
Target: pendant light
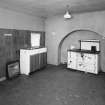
67 15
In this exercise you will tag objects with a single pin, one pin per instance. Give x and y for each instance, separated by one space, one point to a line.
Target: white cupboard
83 60
32 59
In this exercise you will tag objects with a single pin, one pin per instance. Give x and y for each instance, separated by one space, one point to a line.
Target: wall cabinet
32 60
83 60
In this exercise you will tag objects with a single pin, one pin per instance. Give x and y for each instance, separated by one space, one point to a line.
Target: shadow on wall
72 39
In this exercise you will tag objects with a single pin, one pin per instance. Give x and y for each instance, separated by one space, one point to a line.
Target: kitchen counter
84 51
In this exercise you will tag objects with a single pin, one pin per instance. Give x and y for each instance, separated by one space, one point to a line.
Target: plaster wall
15 20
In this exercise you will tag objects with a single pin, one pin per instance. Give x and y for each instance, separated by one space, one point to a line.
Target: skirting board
2 79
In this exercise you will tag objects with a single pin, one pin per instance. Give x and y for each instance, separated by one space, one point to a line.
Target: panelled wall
11 41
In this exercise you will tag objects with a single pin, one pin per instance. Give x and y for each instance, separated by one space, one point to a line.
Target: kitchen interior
52 53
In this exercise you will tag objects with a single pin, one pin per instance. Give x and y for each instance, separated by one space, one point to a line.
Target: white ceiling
52 7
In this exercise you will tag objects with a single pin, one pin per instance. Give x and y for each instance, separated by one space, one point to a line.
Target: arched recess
78 35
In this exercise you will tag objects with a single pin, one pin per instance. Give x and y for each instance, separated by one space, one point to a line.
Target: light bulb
67 15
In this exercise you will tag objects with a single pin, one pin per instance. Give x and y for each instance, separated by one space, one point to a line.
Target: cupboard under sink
32 60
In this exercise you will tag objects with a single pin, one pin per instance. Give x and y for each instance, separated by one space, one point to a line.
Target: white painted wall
15 20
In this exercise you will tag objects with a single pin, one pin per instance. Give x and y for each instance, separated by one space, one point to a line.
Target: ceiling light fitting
67 15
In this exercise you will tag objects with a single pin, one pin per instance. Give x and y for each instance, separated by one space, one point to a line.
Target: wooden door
80 61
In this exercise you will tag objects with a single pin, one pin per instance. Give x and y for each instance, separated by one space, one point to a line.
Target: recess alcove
72 39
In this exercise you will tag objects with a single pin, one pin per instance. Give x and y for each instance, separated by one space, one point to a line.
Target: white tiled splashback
87 44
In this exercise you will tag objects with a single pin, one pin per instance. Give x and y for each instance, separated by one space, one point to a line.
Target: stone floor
54 85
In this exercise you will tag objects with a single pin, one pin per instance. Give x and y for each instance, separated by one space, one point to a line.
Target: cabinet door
90 62
80 61
43 59
72 60
34 62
